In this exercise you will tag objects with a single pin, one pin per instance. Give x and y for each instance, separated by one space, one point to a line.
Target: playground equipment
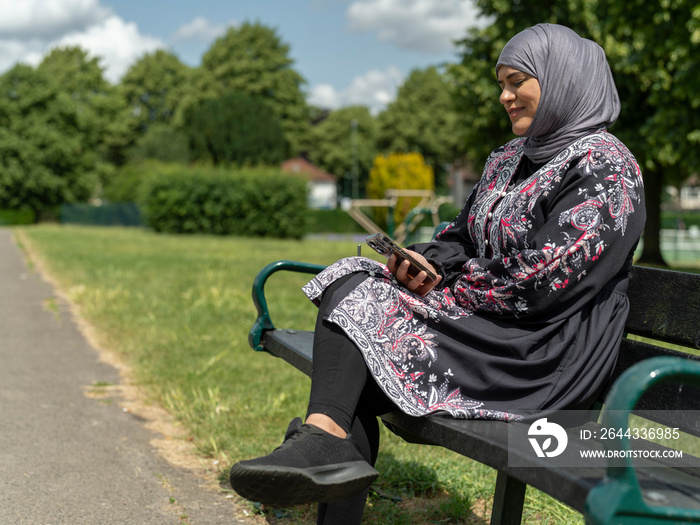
429 203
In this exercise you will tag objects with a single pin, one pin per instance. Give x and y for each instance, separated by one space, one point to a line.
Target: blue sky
349 51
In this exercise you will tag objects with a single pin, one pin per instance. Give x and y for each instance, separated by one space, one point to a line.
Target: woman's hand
419 282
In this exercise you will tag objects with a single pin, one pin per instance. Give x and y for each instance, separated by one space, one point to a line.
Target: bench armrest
618 497
263 321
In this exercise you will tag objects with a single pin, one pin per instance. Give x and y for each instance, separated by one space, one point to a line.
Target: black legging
343 389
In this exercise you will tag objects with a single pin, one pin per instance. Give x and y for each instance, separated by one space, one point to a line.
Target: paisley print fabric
531 308
533 252
392 328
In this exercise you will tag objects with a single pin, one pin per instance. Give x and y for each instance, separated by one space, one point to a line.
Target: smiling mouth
514 112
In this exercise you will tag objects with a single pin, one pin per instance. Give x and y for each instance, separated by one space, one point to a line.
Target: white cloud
13 51
428 26
325 96
47 19
118 43
30 28
202 30
374 89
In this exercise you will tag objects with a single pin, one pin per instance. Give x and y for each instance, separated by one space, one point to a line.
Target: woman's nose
506 96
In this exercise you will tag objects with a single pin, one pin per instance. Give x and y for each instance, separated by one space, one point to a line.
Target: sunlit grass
178 310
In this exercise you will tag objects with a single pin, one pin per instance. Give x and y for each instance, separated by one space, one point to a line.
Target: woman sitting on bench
528 309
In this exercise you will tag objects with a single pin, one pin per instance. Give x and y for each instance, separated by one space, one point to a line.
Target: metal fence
681 246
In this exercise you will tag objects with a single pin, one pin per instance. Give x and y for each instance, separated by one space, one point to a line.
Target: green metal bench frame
618 498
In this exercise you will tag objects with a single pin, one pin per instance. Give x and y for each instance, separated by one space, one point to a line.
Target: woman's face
520 95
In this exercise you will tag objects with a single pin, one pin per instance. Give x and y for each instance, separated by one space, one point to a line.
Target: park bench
650 380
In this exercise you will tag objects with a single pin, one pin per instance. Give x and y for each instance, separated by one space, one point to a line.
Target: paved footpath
66 458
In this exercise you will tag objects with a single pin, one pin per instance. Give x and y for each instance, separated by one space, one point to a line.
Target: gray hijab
578 91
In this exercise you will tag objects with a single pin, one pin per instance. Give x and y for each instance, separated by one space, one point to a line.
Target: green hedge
254 202
671 220
24 216
332 221
127 184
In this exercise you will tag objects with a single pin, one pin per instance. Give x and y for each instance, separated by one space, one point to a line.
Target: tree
235 129
252 59
154 87
44 155
422 119
76 74
344 144
161 142
101 108
653 48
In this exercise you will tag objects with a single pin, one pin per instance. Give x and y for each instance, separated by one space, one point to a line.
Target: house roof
304 167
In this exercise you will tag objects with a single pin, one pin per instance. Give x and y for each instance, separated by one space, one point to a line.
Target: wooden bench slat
678 488
662 303
671 404
486 441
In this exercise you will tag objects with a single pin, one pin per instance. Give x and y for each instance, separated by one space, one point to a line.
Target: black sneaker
310 466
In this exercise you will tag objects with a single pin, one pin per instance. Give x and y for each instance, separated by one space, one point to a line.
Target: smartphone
385 246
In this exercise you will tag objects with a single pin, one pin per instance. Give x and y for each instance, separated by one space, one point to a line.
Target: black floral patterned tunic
532 305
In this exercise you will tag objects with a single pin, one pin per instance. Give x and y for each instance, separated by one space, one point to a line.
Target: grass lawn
177 310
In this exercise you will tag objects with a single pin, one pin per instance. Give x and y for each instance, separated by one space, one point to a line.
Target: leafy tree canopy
344 143
252 59
154 87
45 158
422 119
653 49
99 104
161 142
235 129
77 74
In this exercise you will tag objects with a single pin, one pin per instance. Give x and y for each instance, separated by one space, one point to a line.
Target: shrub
254 202
399 171
128 182
21 216
332 221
